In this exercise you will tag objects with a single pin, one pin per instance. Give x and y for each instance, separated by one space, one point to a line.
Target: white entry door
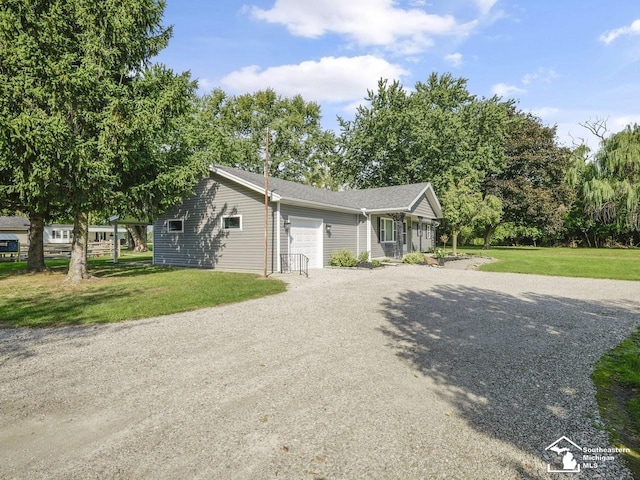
305 236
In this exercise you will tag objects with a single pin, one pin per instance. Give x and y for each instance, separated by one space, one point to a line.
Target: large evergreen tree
87 123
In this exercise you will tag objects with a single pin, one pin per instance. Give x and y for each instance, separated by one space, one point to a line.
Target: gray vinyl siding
423 208
362 234
427 239
343 229
430 240
204 243
379 250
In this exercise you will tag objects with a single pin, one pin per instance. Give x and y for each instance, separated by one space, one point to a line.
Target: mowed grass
618 264
617 380
130 290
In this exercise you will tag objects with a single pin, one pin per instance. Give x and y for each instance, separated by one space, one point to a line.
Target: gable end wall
204 243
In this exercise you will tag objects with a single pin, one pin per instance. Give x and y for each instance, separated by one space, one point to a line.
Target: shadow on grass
104 267
71 309
515 368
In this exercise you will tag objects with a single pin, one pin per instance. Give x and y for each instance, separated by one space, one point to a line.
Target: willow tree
81 80
610 182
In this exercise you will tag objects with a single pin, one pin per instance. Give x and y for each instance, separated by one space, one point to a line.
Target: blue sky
568 61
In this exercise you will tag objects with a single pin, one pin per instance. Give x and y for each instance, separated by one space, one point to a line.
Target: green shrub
414 258
376 263
343 258
363 257
440 253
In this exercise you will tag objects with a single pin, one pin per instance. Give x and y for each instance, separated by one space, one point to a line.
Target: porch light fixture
287 224
328 227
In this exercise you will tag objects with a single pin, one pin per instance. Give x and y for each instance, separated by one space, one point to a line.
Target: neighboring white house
97 233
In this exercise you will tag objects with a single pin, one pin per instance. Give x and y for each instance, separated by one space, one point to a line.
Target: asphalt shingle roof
391 198
14 223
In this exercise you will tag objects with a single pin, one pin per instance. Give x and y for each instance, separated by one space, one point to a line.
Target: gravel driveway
400 373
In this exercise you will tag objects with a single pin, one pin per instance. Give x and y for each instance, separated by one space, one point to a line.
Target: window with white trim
232 222
387 230
175 226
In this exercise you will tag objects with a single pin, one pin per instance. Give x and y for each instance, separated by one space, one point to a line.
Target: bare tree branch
597 127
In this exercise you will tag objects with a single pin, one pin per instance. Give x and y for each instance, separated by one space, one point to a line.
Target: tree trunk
487 236
138 234
35 261
78 263
454 242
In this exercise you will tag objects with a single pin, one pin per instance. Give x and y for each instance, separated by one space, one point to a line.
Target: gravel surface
405 372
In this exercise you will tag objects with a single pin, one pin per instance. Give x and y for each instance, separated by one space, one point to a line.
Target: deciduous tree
531 184
234 130
609 184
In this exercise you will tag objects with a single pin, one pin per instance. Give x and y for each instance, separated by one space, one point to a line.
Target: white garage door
305 236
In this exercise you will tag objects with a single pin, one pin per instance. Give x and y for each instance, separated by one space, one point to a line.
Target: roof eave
387 210
250 185
324 206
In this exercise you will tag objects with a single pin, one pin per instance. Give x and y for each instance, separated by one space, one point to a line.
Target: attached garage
305 237
223 224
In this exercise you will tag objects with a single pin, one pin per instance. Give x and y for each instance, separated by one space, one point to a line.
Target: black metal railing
294 263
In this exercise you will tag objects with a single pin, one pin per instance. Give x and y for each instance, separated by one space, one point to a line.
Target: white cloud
485 5
544 112
546 75
616 124
505 90
454 59
206 85
331 79
610 36
367 22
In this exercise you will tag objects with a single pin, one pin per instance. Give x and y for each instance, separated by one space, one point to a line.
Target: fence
63 250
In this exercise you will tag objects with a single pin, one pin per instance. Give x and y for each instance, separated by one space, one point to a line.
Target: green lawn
130 290
617 379
619 264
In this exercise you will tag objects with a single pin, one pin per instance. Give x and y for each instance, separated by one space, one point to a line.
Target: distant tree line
90 126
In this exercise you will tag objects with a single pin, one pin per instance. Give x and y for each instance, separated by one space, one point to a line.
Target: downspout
278 226
368 217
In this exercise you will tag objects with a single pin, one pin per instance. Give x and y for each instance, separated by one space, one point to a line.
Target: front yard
617 264
130 290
